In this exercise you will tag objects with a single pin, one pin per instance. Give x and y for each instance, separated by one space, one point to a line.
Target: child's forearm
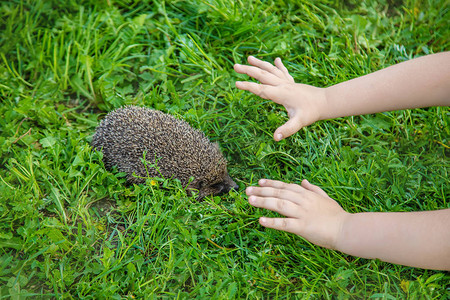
418 239
420 82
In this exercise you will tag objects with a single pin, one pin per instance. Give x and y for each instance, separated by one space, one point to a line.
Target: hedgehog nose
226 189
229 185
233 186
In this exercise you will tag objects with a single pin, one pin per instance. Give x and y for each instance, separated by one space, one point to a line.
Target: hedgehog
170 146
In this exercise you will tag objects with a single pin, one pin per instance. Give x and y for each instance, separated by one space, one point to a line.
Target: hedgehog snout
229 185
222 187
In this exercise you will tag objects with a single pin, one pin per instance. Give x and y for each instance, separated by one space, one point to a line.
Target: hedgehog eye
200 184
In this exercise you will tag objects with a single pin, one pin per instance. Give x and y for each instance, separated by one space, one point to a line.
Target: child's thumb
288 129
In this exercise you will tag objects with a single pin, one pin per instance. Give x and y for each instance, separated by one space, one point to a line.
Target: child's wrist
324 104
341 238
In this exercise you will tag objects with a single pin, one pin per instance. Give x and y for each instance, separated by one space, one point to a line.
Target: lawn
71 229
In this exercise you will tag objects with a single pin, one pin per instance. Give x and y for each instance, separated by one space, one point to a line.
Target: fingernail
251 200
279 136
262 181
248 190
263 220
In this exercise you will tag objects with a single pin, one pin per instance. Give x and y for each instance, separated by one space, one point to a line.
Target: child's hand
303 103
310 212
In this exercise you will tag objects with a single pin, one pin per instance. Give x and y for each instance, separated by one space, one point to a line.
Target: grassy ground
71 229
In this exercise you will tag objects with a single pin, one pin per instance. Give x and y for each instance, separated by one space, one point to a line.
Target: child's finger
279 64
259 74
253 87
264 91
265 66
270 192
285 224
283 207
313 188
287 129
280 185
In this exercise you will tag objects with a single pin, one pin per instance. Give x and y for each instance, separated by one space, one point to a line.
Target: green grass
71 229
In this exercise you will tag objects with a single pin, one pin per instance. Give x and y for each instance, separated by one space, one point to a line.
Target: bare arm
417 239
419 82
